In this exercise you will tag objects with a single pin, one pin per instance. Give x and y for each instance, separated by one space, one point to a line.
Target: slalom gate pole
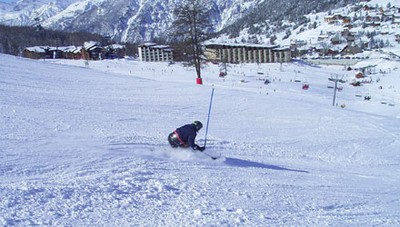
208 118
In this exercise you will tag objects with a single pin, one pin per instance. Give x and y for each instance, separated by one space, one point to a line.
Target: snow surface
84 144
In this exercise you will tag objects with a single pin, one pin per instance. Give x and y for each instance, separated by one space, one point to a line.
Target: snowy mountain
31 12
253 21
123 20
84 144
128 20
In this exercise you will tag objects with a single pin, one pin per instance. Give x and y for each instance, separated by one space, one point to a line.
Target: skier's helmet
198 125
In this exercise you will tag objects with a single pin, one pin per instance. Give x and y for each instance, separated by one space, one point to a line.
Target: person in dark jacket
185 136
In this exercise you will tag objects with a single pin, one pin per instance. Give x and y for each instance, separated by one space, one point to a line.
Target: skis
213 157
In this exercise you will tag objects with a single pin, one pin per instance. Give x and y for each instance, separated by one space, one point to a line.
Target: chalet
348 26
363 42
335 40
371 24
298 47
396 19
387 16
345 33
350 50
397 38
56 52
373 17
301 51
297 43
369 7
336 19
324 50
72 52
114 51
153 52
247 53
322 37
92 51
335 50
350 38
46 52
331 52
36 52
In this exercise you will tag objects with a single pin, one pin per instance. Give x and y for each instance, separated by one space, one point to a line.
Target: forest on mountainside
13 40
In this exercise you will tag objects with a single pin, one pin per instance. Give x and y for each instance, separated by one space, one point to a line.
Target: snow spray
208 118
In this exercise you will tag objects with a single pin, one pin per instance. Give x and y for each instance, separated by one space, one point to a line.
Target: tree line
13 40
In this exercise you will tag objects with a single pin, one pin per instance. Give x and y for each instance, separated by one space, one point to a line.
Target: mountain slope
136 20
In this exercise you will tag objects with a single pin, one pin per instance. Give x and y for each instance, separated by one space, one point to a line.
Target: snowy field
85 145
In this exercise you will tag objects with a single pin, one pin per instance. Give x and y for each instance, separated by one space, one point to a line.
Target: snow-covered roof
147 44
43 49
240 45
155 46
91 45
72 49
116 46
38 49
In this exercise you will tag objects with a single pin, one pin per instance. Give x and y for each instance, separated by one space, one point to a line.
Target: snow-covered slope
85 145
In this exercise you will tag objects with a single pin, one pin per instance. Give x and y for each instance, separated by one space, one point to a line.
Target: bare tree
190 28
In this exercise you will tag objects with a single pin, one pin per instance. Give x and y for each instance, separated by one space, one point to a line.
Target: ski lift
330 84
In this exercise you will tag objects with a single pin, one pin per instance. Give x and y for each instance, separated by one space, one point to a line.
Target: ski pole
208 118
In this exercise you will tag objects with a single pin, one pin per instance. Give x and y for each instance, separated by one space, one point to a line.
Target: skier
185 136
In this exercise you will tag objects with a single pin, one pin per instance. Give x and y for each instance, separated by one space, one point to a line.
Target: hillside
370 25
139 21
85 144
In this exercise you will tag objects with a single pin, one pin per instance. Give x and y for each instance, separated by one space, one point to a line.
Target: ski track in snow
87 147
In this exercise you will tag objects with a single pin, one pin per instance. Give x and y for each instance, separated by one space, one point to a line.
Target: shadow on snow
244 163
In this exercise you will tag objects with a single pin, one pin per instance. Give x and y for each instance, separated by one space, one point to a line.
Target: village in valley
349 32
346 33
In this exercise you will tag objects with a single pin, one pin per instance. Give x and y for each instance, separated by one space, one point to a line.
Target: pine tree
191 27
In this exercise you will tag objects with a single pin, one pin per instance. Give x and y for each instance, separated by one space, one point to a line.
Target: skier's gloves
196 147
